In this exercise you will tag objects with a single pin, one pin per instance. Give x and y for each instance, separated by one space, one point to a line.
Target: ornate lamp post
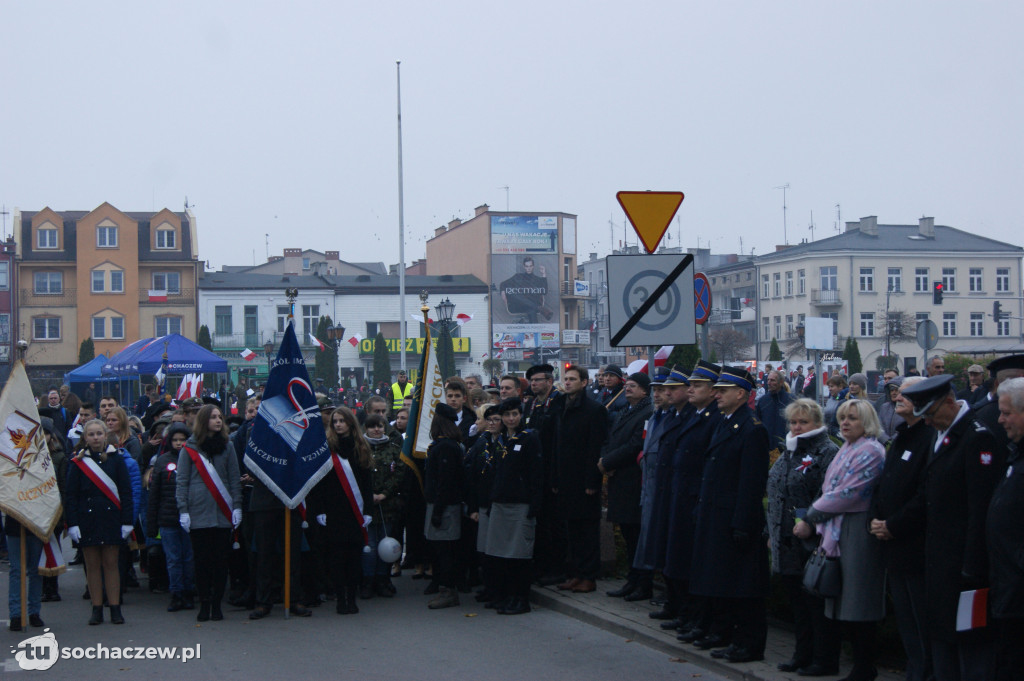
268 348
445 356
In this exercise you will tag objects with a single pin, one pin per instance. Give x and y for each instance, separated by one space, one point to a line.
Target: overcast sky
279 118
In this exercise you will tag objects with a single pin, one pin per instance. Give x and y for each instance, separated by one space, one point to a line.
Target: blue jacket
771 410
136 477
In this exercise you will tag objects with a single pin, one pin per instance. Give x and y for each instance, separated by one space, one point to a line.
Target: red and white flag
355 340
248 355
316 342
51 559
191 386
462 318
972 611
419 318
157 296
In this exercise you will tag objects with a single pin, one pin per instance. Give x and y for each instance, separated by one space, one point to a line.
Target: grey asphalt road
394 639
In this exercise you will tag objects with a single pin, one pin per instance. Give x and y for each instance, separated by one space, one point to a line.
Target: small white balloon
389 550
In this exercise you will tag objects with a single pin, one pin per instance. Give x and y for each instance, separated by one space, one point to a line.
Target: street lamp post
336 333
445 356
268 348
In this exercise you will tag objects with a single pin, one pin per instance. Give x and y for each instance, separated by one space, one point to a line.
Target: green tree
445 353
86 351
683 356
493 367
203 339
852 357
326 366
774 353
381 360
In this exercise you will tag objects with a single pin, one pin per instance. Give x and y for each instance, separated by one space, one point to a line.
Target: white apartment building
870 271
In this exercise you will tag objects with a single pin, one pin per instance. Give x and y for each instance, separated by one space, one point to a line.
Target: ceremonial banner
287 446
28 485
429 391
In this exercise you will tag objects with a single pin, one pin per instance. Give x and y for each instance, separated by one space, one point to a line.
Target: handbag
823 576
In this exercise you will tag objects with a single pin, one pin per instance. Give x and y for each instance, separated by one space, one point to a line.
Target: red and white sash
343 469
99 477
213 482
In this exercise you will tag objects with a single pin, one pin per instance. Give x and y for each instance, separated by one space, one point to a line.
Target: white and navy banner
287 446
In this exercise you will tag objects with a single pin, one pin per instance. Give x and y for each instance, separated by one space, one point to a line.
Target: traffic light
937 293
567 365
997 311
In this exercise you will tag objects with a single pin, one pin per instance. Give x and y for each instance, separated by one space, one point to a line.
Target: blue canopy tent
90 372
144 357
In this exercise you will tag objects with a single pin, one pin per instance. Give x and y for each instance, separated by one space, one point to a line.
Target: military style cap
676 376
705 371
735 377
1007 362
924 394
660 376
540 369
491 411
191 403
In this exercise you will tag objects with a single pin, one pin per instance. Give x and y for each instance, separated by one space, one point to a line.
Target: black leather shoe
15 624
712 641
36 621
623 590
740 655
299 611
691 635
260 612
638 594
432 589
670 624
662 615
723 653
518 606
816 669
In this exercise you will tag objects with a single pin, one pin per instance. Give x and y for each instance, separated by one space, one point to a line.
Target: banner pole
24 582
287 562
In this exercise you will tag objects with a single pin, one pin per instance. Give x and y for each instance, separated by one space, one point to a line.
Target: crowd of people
917 494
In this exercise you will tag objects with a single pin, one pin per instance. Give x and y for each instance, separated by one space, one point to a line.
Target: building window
106 237
107 281
117 327
46 328
789 283
921 317
974 280
778 327
305 263
99 328
867 279
282 317
790 329
167 281
777 280
834 316
921 280
767 327
800 319
48 283
829 278
867 323
5 275
165 238
977 323
46 238
116 281
98 284
222 320
310 318
767 290
1003 327
949 323
895 279
1002 279
801 282
167 325
949 279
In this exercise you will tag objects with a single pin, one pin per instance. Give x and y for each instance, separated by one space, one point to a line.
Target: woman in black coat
480 465
794 482
331 505
99 514
443 491
162 519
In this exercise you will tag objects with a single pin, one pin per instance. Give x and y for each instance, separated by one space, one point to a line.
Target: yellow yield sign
650 213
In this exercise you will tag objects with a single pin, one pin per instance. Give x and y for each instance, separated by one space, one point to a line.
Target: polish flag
971 612
156 296
462 318
248 355
419 318
355 340
498 354
316 342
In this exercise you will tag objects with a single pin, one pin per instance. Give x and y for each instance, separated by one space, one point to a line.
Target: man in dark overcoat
964 467
549 548
580 430
619 462
986 408
730 556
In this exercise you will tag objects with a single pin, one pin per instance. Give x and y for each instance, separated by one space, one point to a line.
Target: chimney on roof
593 256
454 223
332 255
852 226
926 227
869 225
292 252
440 230
481 209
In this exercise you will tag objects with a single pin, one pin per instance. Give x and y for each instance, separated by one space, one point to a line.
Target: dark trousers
268 536
818 638
513 575
743 621
345 562
631 535
417 551
211 547
445 561
469 566
1009 649
552 539
970 658
584 548
909 601
863 638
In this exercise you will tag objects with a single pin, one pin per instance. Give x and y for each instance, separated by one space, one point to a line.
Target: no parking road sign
650 299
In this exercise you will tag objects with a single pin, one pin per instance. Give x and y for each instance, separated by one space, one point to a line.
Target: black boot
625 589
366 588
188 600
204 612
644 589
383 587
97 615
176 603
216 614
347 601
115 615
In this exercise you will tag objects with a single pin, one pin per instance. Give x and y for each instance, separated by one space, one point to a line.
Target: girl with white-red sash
99 513
209 495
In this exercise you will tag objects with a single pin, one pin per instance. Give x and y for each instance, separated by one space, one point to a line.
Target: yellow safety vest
399 395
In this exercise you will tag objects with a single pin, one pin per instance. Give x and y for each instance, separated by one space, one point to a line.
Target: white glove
75 533
236 517
185 521
322 520
126 530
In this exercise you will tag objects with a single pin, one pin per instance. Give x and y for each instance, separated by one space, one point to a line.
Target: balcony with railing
826 296
185 296
65 298
255 341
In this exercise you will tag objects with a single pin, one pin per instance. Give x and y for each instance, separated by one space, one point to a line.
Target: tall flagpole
401 228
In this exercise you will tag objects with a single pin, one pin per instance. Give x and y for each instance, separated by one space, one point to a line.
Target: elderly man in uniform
964 467
1005 528
730 558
